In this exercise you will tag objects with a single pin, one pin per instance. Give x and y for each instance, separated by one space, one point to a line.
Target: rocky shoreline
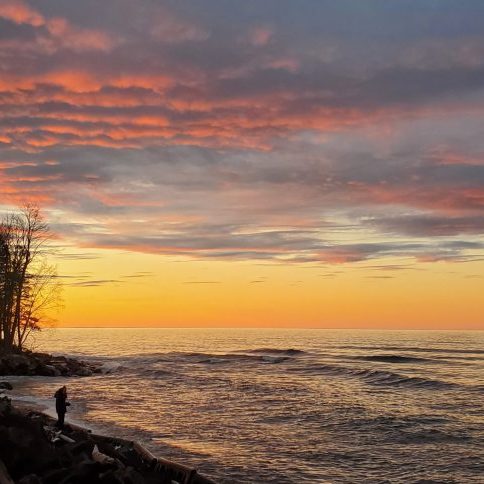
28 363
33 451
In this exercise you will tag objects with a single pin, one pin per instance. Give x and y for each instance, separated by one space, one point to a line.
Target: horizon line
266 327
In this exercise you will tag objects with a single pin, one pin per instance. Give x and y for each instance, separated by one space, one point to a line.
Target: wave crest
392 358
215 358
376 377
277 351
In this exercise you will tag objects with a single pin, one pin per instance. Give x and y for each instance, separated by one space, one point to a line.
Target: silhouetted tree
28 285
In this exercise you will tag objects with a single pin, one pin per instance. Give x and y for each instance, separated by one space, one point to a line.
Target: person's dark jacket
60 402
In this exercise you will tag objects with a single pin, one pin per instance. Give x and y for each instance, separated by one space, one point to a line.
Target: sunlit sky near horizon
295 163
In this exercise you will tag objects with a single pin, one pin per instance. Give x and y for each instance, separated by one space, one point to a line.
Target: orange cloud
79 81
19 12
13 192
62 32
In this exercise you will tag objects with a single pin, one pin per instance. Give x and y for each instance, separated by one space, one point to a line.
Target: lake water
284 406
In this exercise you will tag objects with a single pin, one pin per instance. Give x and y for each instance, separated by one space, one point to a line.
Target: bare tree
29 286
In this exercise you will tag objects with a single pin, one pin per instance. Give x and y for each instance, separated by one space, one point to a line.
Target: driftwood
66 439
55 435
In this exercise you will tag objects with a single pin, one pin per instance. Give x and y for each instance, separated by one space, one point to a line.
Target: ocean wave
429 436
156 373
277 351
210 358
409 429
162 364
376 377
392 358
206 358
111 367
477 388
416 349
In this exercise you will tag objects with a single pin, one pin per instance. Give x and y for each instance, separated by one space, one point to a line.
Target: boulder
5 405
30 479
86 471
6 385
48 370
122 476
55 475
17 364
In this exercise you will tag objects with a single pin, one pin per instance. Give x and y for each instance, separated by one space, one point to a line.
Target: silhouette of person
61 405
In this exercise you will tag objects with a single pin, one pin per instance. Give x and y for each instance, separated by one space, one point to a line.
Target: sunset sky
292 163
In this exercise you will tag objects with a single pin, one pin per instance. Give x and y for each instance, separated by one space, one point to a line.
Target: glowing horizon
260 164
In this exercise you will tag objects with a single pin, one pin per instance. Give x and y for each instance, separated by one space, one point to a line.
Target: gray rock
6 385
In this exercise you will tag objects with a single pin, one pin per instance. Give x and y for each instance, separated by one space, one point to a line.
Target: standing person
61 405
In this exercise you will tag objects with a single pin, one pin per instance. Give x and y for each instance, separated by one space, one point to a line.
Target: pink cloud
260 35
19 12
79 39
168 27
449 156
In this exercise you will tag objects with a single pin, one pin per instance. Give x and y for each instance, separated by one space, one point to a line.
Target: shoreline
106 455
33 451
